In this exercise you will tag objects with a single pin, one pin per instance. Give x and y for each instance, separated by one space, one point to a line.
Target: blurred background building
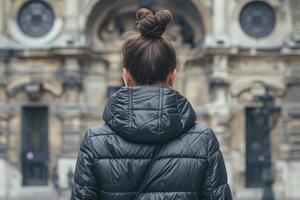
60 61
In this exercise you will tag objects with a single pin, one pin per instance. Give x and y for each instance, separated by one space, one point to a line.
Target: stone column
70 114
219 19
71 21
1 18
115 70
291 111
95 91
5 114
3 127
295 15
182 58
192 76
219 109
70 131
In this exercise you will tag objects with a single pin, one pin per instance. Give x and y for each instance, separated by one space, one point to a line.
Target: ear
127 78
171 77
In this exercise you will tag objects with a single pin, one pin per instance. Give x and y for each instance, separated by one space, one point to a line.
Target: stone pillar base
229 170
293 183
3 179
64 165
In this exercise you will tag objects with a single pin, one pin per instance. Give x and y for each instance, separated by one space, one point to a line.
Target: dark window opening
254 148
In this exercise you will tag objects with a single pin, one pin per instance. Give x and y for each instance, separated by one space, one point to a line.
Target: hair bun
153 25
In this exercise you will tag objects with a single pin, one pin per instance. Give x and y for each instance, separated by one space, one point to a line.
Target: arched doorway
32 140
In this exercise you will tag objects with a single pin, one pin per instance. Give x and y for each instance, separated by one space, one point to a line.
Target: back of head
149 57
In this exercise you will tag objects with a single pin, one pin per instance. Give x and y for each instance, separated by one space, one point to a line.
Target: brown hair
149 57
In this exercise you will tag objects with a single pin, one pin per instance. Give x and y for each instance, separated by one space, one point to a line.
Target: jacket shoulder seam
101 131
89 141
204 131
102 134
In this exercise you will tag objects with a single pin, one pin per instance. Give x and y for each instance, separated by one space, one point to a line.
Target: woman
150 146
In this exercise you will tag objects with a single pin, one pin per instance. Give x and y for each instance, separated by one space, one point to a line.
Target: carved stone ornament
110 22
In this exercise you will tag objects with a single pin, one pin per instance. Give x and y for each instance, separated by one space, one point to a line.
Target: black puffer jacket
150 148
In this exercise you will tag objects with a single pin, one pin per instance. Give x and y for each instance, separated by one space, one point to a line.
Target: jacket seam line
186 133
205 131
104 191
125 158
220 185
200 132
214 153
137 158
211 195
115 134
178 111
169 192
141 109
130 108
101 134
158 112
184 157
90 142
161 92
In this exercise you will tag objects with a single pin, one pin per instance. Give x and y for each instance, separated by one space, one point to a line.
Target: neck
161 84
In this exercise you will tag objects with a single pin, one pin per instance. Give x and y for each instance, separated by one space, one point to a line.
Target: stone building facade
60 61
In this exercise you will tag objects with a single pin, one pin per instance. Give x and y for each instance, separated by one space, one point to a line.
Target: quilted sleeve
215 184
85 184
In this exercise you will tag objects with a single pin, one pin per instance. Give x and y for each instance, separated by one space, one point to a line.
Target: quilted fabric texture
150 138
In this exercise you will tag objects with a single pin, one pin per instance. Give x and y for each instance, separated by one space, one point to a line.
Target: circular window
258 19
35 18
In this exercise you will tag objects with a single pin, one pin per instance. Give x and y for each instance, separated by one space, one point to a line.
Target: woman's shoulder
201 129
100 130
204 131
207 134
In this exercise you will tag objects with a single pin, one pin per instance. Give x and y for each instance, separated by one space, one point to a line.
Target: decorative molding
242 86
6 111
72 81
19 84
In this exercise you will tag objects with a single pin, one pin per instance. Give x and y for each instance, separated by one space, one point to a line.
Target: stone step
294 152
256 194
294 147
38 192
294 138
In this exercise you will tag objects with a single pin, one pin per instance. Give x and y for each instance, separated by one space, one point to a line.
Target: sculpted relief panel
109 21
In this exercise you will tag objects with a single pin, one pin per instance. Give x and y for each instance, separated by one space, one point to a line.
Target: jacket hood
148 114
